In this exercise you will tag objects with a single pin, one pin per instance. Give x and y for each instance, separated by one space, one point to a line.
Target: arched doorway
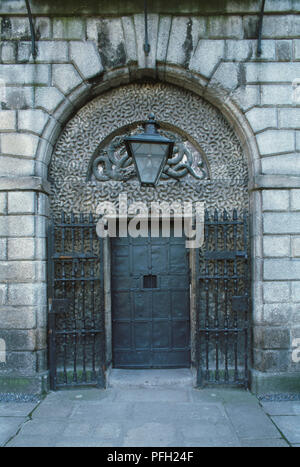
209 166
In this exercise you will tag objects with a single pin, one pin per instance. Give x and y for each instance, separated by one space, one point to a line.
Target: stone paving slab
264 443
16 409
9 427
281 408
153 416
289 426
250 421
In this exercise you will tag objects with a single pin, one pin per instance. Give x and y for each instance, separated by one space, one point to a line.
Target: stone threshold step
181 377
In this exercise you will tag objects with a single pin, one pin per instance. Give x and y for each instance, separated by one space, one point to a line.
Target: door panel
150 303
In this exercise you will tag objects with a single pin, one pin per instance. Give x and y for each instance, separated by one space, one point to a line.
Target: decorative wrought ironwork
114 163
223 300
76 322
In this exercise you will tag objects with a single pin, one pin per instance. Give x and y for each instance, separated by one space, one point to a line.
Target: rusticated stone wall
211 53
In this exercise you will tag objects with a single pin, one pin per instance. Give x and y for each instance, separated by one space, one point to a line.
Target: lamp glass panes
149 152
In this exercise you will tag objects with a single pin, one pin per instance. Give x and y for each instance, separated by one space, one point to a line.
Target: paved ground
150 416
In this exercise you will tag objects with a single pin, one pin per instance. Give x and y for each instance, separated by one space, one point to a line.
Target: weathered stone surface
295 291
184 37
68 28
17 97
296 247
295 200
17 226
25 74
86 58
27 294
3 248
271 338
3 203
276 292
21 202
271 72
22 363
276 246
288 164
21 248
246 97
275 200
164 29
146 61
279 94
52 51
43 27
289 118
225 27
24 184
7 120
227 75
284 51
18 271
206 57
109 36
281 269
11 166
15 28
8 52
276 142
18 144
48 98
18 318
282 223
3 294
277 314
65 77
279 26
262 118
298 141
246 50
18 340
32 120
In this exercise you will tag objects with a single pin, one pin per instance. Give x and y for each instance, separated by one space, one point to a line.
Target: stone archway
199 126
218 173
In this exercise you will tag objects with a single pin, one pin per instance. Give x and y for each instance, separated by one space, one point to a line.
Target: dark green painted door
150 303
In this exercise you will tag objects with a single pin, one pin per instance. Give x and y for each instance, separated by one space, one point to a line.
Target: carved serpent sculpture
122 168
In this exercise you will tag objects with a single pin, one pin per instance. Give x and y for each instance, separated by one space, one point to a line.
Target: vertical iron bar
92 297
73 226
83 319
226 324
235 324
52 349
207 295
51 321
216 293
102 362
63 276
246 285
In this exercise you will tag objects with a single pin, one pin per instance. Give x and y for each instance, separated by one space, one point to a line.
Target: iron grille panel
223 300
76 325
